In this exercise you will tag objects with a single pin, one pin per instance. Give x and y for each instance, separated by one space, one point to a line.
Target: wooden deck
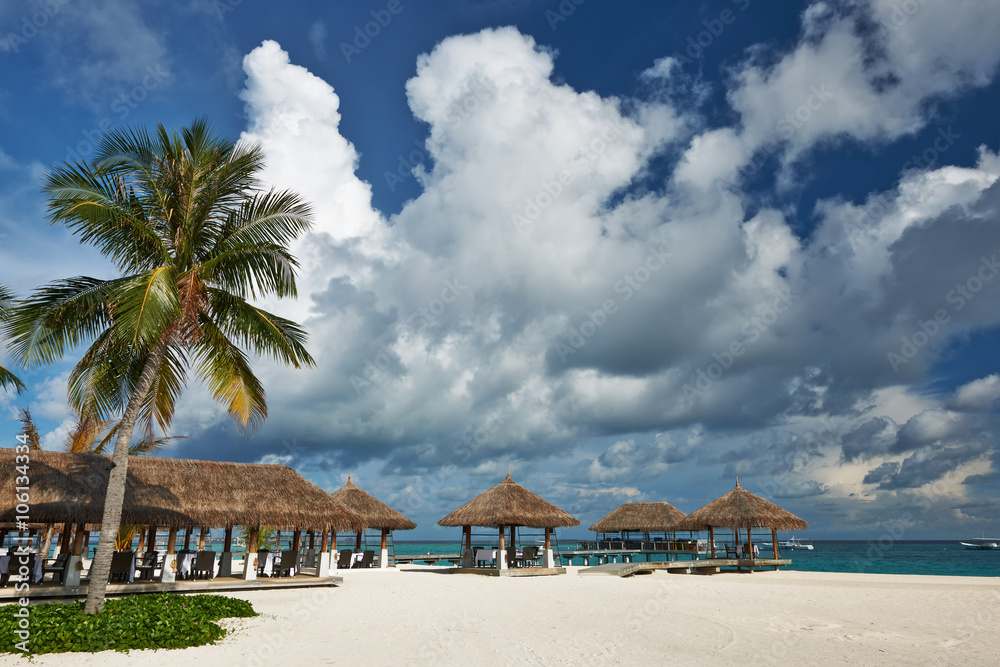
703 566
49 590
511 571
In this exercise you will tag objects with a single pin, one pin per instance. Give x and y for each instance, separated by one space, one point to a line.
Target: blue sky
629 250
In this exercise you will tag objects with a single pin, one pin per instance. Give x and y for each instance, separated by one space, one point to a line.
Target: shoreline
425 615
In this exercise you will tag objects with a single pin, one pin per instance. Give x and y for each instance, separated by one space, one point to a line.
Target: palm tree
195 239
7 379
91 435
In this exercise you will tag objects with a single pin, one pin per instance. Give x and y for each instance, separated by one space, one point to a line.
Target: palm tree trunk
115 496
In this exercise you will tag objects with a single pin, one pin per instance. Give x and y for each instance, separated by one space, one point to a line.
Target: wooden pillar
749 547
468 536
64 546
187 537
151 539
142 540
774 544
711 540
312 540
384 531
277 540
333 540
79 539
548 538
86 542
229 539
357 544
172 540
296 540
501 551
323 542
201 538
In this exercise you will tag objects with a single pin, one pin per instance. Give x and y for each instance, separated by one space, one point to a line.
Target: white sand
425 616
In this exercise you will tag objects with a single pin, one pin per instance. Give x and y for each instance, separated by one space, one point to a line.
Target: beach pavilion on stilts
172 495
378 518
644 528
505 508
742 512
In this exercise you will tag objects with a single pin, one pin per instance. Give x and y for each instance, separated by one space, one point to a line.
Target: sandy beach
422 615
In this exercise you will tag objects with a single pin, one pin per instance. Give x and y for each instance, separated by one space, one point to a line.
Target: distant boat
795 543
982 543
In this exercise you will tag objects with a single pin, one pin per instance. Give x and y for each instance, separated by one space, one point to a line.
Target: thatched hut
508 505
174 493
374 514
647 526
740 509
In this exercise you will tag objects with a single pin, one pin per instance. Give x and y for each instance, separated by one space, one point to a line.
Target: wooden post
79 539
277 541
357 545
333 540
172 541
468 536
774 544
187 537
750 548
151 539
47 541
229 539
86 542
323 542
548 538
201 538
142 540
501 552
296 539
384 531
64 547
312 540
711 541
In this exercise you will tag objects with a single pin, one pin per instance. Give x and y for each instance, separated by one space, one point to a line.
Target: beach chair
529 555
14 566
730 551
344 560
147 565
57 567
204 565
289 562
512 558
367 560
121 563
262 561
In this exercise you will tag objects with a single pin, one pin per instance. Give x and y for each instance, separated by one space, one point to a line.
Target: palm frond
29 430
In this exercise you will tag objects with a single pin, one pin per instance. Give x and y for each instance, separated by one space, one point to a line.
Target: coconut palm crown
196 239
7 379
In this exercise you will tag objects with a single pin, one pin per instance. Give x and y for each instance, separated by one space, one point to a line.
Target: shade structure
741 509
509 504
173 493
373 512
641 517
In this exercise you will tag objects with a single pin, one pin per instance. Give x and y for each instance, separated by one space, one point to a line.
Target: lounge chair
289 562
57 567
121 564
147 565
204 565
344 560
367 560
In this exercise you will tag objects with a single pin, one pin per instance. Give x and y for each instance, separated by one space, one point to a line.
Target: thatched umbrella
641 517
741 509
373 512
508 504
174 493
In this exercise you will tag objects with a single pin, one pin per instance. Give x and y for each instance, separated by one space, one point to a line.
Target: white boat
982 543
795 543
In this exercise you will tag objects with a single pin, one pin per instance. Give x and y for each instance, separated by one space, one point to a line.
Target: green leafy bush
162 620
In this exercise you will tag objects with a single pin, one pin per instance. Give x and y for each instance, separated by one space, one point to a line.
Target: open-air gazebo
741 510
174 494
374 515
649 526
507 506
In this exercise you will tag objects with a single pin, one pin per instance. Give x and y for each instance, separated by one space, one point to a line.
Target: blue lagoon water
871 556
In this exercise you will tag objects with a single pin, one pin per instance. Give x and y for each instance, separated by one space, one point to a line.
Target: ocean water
872 556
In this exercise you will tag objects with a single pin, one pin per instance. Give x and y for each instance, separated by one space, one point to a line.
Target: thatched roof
645 517
374 513
173 493
508 504
741 509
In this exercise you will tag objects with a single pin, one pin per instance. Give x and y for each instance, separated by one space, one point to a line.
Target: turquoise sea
871 556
